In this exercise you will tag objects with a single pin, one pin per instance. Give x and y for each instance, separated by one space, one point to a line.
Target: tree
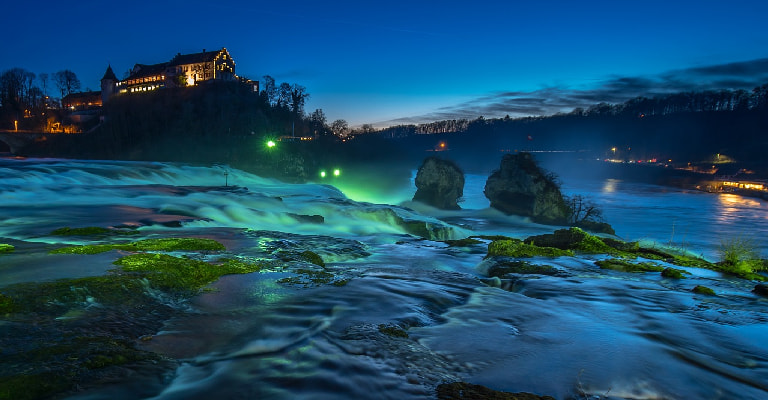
283 95
318 122
67 82
43 78
340 127
582 210
270 90
298 96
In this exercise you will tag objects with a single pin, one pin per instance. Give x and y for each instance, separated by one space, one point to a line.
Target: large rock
520 187
439 183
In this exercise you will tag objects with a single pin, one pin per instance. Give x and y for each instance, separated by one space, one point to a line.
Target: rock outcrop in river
439 183
520 187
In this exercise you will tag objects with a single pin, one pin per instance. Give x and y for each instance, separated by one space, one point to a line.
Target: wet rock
571 239
308 219
516 248
466 391
520 187
501 267
761 289
623 265
673 273
700 289
439 183
6 248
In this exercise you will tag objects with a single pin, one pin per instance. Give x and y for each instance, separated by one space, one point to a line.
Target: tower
108 85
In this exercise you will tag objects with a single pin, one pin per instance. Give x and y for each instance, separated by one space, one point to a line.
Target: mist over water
588 333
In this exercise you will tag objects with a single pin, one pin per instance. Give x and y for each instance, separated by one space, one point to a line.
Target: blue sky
413 61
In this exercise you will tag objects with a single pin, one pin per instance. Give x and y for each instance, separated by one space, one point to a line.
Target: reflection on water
610 185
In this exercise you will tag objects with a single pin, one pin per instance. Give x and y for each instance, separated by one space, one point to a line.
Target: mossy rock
743 269
91 231
673 273
7 304
34 386
700 289
162 244
502 266
468 391
393 330
6 248
618 264
575 239
179 273
516 248
312 257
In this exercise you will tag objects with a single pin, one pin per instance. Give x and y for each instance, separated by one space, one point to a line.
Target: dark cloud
617 89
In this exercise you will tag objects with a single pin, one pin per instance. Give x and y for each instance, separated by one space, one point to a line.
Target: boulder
439 183
520 187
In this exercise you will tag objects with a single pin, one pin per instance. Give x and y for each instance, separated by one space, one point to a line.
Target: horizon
409 64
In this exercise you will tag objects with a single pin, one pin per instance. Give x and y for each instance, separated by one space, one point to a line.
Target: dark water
591 333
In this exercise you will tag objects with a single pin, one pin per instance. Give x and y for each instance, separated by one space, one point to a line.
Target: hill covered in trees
229 123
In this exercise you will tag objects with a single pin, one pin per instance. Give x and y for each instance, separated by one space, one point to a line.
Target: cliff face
520 187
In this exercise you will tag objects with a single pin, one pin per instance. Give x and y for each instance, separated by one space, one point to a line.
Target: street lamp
16 126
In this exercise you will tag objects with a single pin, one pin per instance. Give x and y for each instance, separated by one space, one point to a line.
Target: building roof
205 56
143 70
82 95
109 74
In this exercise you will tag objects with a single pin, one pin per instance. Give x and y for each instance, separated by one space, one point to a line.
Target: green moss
6 248
6 304
699 289
178 273
516 248
745 269
33 386
312 257
572 239
623 265
61 295
163 244
393 330
91 231
673 273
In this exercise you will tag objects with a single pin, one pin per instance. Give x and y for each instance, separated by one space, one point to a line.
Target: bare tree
270 90
582 209
43 78
67 82
298 96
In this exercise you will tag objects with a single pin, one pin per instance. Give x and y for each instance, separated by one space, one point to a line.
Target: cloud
615 89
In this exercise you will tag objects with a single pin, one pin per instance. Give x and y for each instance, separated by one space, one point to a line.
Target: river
591 333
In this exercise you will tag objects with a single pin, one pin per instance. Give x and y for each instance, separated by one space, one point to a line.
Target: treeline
24 97
675 103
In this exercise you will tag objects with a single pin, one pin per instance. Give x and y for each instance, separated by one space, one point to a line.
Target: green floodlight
336 172
322 174
271 144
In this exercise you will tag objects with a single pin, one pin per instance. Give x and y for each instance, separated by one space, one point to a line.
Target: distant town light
271 144
336 172
322 174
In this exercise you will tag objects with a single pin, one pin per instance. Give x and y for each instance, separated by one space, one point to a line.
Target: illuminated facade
82 101
183 70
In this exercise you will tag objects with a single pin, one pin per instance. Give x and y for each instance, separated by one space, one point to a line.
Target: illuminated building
181 71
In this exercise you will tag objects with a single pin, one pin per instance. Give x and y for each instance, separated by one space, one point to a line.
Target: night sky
413 61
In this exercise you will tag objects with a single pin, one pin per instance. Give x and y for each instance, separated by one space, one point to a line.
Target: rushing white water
594 332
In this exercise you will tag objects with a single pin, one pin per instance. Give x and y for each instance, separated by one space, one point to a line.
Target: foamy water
594 332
